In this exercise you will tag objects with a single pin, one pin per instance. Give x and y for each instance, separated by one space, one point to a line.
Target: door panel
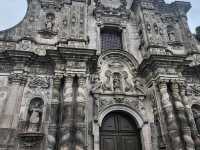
130 143
108 143
119 132
109 124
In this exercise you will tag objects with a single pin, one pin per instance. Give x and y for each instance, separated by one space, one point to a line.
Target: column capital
18 78
82 80
162 84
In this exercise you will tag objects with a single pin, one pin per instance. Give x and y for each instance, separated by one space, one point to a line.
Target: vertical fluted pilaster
180 111
189 115
170 118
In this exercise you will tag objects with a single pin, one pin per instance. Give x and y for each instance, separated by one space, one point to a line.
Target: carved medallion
39 82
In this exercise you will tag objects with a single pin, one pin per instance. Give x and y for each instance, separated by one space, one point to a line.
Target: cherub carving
50 21
35 115
107 84
117 84
97 83
127 85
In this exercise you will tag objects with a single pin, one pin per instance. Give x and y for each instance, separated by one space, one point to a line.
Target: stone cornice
161 66
62 54
20 61
77 53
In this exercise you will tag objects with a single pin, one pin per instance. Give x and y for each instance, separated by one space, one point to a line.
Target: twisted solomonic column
182 119
190 117
172 126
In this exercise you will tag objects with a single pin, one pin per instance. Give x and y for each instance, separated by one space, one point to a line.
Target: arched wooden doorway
119 131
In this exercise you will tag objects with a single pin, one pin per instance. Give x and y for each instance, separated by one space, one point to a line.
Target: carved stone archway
141 123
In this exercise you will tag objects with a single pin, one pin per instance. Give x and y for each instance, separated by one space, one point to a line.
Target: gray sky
13 11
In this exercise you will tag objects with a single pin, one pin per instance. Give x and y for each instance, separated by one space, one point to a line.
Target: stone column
124 38
172 126
83 108
54 118
189 115
67 91
17 84
66 113
10 117
180 111
56 88
98 30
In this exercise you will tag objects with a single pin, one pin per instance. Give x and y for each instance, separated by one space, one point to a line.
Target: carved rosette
39 82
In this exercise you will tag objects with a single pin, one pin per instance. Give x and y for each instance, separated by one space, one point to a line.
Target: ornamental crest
39 82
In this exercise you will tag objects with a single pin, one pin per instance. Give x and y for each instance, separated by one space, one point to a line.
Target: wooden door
119 132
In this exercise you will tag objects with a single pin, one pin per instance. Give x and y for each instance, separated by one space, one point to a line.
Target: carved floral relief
117 77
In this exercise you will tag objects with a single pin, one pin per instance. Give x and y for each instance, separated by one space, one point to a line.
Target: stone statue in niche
35 115
96 83
107 84
148 26
155 28
117 85
196 114
171 33
161 31
48 32
50 22
171 36
127 86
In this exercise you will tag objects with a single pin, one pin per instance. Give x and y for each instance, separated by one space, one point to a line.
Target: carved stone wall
57 84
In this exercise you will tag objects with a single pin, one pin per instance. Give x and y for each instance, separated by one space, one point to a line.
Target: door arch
119 131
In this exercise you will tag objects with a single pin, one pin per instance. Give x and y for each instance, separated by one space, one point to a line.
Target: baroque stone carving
181 116
170 117
190 117
48 31
117 83
127 86
35 114
171 34
39 82
107 84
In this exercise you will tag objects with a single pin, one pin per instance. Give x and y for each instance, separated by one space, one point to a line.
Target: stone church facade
100 75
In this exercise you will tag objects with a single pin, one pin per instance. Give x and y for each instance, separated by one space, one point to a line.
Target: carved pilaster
56 87
172 126
180 111
68 88
82 81
189 115
55 113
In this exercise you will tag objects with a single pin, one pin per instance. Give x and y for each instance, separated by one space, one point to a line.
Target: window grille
111 39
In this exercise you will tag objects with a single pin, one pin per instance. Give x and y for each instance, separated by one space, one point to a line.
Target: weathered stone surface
57 83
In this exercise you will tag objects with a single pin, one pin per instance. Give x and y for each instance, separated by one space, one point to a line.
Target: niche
35 113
